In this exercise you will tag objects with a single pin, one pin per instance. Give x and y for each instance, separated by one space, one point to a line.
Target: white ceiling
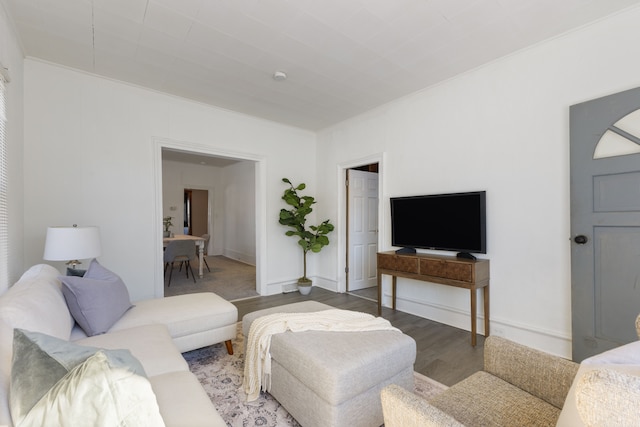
342 57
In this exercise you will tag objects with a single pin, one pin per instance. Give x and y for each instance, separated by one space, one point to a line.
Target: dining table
199 241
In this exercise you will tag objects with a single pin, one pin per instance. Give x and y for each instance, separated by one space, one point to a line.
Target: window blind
4 214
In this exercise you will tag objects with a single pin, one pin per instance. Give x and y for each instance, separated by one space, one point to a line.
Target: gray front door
605 222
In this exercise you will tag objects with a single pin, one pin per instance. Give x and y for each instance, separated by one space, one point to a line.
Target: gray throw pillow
40 361
97 300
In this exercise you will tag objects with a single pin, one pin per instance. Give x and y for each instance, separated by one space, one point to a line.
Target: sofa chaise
153 332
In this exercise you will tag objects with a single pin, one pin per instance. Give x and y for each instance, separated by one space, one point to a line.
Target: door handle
581 239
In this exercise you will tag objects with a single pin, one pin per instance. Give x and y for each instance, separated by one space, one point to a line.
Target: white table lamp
72 244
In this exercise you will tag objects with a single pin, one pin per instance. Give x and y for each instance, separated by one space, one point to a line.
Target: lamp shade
72 243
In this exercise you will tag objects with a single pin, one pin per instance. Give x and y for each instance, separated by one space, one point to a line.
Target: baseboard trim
553 342
239 256
289 287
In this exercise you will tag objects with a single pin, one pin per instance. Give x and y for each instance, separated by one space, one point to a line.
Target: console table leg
394 282
379 294
473 316
486 310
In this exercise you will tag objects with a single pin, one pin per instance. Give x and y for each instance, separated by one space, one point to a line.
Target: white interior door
362 196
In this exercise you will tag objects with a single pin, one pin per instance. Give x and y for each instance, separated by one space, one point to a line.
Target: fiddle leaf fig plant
312 238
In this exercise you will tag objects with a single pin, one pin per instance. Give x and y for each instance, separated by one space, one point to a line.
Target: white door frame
378 158
261 205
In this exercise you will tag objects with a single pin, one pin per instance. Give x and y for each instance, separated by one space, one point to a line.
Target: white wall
11 58
89 152
239 206
503 128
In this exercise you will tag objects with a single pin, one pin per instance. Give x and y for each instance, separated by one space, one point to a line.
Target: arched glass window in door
621 139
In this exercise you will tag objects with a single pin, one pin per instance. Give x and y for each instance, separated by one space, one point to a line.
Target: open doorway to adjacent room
362 189
196 212
207 195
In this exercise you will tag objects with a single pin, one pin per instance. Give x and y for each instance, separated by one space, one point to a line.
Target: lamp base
75 272
72 263
72 270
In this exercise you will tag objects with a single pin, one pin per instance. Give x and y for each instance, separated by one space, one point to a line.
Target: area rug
221 376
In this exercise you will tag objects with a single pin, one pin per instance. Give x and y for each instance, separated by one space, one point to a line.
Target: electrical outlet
499 332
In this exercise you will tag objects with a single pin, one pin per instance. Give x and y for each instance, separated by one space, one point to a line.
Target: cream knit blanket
257 362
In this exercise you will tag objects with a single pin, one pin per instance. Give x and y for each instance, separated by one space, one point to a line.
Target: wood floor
444 352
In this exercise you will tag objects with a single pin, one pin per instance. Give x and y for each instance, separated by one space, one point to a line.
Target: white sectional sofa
155 332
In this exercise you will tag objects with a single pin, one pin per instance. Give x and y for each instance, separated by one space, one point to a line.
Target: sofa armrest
543 375
402 408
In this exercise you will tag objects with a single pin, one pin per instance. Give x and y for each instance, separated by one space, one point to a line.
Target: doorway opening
196 212
362 217
211 175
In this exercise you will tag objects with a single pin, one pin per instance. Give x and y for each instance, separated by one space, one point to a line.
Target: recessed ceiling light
279 76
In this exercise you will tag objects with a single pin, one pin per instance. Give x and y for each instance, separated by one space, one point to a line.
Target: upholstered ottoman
334 378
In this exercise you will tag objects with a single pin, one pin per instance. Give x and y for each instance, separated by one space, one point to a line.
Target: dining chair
205 250
182 251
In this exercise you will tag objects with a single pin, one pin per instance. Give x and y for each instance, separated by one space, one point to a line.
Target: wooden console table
445 270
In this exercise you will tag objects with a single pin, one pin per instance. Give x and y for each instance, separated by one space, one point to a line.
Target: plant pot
166 234
304 287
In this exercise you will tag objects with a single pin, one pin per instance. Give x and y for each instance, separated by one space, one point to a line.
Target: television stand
445 270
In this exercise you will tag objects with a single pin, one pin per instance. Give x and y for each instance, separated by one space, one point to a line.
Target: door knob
581 239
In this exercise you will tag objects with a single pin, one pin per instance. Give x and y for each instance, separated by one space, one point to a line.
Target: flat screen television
448 222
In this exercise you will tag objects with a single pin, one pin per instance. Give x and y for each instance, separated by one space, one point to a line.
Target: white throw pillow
624 359
94 394
608 397
40 361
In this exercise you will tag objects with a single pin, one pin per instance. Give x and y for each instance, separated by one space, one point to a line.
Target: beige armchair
519 386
